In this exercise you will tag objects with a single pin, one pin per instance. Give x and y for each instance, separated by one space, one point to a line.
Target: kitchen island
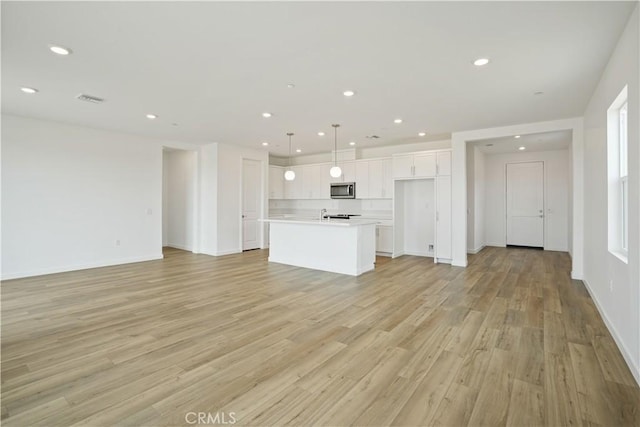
339 246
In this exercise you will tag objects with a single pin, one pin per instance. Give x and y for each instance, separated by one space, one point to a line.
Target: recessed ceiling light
291 85
29 90
151 116
265 143
480 62
266 115
397 121
517 136
522 148
298 150
320 133
421 134
352 143
60 50
348 93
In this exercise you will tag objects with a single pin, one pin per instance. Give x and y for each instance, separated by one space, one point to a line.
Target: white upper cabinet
443 161
325 181
315 182
362 180
311 182
403 166
422 165
276 182
294 189
348 172
380 179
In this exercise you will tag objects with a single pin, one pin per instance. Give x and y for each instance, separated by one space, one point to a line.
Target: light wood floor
510 340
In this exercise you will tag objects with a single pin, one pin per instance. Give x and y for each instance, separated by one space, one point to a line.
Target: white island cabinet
338 246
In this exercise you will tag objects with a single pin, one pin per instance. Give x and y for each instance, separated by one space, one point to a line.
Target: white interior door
250 204
525 204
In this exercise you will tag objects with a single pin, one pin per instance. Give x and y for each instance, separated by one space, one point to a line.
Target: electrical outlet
118 242
430 248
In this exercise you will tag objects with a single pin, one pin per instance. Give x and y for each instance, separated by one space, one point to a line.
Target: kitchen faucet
322 212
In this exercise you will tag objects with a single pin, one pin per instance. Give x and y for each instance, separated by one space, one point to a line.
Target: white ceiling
209 70
545 141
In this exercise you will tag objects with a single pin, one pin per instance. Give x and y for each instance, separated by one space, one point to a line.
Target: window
624 178
617 172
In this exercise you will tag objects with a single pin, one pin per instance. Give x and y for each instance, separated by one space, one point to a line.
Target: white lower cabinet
384 239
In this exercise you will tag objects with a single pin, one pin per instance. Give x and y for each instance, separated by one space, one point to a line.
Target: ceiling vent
90 98
372 137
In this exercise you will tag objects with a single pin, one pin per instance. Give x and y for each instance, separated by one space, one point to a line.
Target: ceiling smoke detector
90 98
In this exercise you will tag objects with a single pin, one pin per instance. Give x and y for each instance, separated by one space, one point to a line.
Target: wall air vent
90 98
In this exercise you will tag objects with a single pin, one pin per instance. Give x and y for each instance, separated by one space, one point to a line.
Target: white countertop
329 222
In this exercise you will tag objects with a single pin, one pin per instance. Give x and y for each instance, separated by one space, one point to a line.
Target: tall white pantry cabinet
432 166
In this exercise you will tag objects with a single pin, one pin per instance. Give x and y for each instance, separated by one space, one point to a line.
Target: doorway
179 199
525 204
251 199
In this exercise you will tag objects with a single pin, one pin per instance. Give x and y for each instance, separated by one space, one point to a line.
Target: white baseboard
417 253
459 262
558 249
476 250
626 354
75 267
497 245
181 247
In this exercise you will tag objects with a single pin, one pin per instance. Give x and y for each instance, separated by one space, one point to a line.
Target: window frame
617 174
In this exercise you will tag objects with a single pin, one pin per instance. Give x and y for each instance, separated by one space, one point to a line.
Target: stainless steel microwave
343 190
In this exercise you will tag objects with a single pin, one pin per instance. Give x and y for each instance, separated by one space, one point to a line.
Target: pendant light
289 175
335 171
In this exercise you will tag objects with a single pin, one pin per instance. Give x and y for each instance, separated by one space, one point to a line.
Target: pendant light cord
335 144
290 134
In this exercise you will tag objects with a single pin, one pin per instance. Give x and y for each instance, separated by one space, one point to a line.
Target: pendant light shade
289 175
335 171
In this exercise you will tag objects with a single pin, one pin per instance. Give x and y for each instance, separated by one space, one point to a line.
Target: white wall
556 196
221 197
69 193
613 284
165 198
179 199
476 200
471 196
479 200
